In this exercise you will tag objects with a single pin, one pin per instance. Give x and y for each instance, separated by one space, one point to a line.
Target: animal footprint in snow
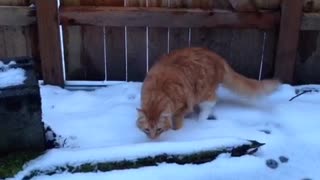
131 96
265 131
212 117
73 137
271 163
283 159
69 142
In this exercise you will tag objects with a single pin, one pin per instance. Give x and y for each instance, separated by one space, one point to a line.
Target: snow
100 125
128 152
11 76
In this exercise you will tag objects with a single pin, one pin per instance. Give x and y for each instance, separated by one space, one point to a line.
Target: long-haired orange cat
186 78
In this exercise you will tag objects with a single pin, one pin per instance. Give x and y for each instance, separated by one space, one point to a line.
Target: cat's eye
159 130
146 130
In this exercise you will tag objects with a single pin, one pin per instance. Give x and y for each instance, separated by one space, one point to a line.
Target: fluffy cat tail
248 87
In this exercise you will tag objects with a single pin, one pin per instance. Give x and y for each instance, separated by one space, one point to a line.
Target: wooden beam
17 16
291 13
49 42
243 5
15 2
166 17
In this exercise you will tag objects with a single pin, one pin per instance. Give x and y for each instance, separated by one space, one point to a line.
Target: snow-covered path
96 121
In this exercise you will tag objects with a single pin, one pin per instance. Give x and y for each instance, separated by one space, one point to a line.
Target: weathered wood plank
3 53
158 17
269 54
222 4
136 48
217 39
18 31
246 53
307 65
90 64
158 44
267 4
202 4
31 34
92 54
158 37
14 2
49 42
70 2
242 49
243 5
72 41
311 5
291 13
20 41
178 37
101 2
310 21
84 54
115 54
17 16
15 41
158 3
115 49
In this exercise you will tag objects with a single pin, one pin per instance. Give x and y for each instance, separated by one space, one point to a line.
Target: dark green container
21 126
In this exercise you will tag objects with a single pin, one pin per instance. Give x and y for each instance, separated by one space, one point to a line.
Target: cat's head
154 127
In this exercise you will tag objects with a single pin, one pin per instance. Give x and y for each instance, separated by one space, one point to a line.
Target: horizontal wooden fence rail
23 15
166 17
17 15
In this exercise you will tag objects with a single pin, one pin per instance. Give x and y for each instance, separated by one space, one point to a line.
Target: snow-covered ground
11 76
100 125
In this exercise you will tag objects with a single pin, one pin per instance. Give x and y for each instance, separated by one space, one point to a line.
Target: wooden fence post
291 14
49 42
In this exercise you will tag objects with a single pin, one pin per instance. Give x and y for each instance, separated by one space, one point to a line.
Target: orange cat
185 78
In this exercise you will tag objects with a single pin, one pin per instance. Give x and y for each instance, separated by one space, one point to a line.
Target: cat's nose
153 136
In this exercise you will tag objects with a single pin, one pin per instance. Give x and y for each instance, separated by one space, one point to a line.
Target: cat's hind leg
206 108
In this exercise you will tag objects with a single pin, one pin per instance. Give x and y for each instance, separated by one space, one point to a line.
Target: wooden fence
18 30
121 39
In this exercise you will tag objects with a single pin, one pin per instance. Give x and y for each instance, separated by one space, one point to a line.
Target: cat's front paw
176 127
212 117
203 117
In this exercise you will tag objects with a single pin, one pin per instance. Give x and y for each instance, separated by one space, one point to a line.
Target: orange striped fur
185 78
